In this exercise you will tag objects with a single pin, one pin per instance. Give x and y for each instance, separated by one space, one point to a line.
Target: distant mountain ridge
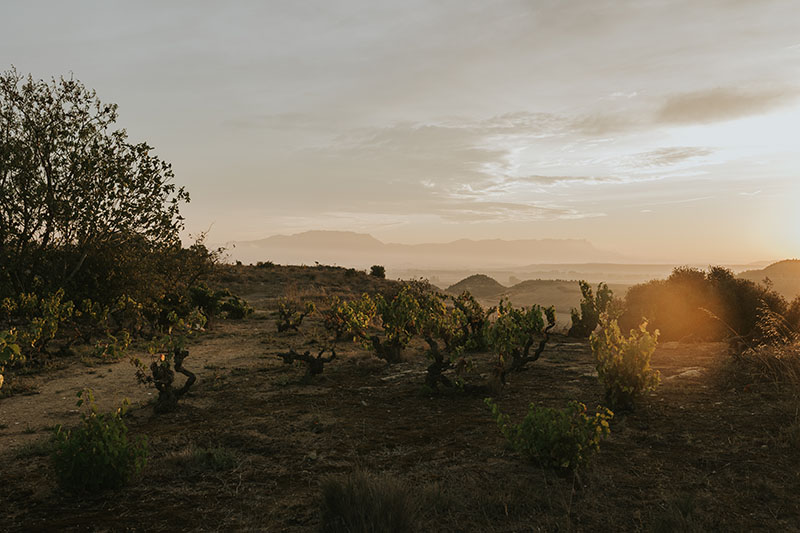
362 250
784 276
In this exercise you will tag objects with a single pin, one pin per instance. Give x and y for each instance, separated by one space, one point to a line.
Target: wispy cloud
722 103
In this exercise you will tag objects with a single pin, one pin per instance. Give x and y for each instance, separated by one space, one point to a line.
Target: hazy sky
665 130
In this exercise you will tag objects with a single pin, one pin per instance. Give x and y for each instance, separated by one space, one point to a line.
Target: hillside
253 444
784 275
480 286
561 294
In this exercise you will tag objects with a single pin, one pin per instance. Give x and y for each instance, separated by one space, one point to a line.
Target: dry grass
250 448
365 503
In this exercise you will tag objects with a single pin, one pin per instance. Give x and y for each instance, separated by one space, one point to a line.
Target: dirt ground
694 456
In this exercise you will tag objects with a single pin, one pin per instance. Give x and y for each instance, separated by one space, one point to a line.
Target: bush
367 503
167 355
551 437
98 454
291 314
705 306
439 323
585 321
476 321
513 334
235 308
378 271
213 303
9 351
623 363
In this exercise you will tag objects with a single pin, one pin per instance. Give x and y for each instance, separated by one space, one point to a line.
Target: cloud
720 104
669 156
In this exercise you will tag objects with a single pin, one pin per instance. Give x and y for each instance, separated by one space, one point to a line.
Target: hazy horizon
661 130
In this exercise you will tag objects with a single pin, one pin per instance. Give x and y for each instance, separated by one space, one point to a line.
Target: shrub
98 454
291 314
396 316
367 503
551 437
9 351
314 364
213 303
335 318
113 347
699 305
378 271
585 321
623 363
235 308
168 354
436 323
37 320
513 334
476 321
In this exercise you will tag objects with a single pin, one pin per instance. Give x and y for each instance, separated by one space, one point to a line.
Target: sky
662 130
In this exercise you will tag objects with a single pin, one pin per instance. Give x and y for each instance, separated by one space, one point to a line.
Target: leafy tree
378 271
72 188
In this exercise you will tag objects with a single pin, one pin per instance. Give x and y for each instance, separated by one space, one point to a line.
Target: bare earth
695 456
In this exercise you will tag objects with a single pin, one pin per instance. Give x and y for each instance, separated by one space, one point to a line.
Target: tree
72 187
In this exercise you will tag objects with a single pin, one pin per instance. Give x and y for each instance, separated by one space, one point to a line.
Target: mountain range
362 250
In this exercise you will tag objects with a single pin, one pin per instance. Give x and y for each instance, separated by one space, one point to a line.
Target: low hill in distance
784 275
561 294
480 286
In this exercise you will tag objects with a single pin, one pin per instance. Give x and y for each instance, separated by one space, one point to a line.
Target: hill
561 294
784 275
479 285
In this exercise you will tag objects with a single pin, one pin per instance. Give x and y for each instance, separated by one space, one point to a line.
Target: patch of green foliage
291 314
97 455
513 334
623 363
551 437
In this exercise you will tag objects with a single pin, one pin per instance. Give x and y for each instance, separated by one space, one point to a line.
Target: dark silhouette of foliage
378 271
314 364
77 200
693 304
585 320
